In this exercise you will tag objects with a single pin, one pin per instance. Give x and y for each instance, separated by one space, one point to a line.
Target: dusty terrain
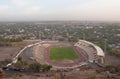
110 59
9 52
85 72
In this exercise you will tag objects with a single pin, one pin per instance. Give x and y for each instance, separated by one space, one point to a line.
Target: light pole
105 45
83 34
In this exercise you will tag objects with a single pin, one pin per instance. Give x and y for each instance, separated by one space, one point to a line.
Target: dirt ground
10 52
85 72
110 59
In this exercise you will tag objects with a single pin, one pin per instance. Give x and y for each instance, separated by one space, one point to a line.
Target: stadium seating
92 50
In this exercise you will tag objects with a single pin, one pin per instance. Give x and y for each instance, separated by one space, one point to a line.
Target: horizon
63 21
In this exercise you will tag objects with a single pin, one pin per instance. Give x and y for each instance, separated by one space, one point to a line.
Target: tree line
33 67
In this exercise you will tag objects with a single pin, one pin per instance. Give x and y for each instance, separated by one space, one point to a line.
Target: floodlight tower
105 45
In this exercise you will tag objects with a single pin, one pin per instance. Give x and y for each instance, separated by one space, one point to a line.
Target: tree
21 63
46 67
35 66
19 59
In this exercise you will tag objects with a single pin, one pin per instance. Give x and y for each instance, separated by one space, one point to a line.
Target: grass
63 53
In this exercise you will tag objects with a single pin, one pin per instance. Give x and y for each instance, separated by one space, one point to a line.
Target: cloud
32 10
3 11
26 9
94 10
3 8
21 2
63 10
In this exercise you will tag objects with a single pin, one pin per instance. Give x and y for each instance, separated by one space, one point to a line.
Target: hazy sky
33 10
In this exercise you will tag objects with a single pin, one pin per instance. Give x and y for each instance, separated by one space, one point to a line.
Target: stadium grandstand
94 52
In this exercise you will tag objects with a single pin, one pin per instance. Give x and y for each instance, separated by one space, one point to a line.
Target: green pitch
63 53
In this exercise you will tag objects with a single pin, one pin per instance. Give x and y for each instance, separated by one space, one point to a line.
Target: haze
39 10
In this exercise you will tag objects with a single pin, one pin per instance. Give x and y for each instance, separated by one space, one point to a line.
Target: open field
8 52
63 53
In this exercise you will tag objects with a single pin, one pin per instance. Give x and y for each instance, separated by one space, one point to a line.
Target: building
94 52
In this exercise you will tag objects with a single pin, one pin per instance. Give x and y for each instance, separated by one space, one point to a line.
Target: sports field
63 53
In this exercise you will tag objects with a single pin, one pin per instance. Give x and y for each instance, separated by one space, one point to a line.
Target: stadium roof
98 49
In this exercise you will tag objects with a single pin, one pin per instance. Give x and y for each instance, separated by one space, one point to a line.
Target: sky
41 10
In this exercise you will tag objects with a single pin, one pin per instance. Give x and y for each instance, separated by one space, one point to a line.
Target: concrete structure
94 52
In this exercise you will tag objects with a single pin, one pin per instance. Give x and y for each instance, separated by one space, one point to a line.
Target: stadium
67 55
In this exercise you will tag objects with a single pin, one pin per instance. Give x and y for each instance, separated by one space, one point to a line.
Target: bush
115 52
46 67
21 63
93 77
35 67
57 76
111 68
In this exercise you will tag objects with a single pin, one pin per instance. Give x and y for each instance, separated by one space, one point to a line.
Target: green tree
19 59
35 67
46 67
21 63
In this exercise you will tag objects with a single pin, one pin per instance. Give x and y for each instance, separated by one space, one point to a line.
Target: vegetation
46 67
17 76
36 67
95 32
115 52
63 53
93 77
8 41
57 76
113 68
110 50
21 64
11 39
